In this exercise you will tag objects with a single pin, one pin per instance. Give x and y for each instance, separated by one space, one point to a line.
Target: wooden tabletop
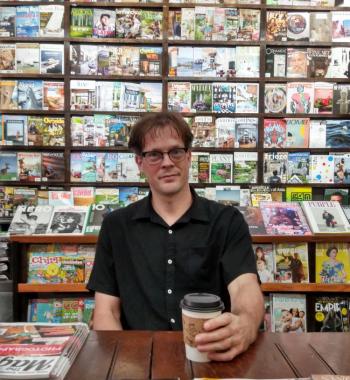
160 355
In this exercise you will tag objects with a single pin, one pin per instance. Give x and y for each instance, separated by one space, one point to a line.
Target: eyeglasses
155 157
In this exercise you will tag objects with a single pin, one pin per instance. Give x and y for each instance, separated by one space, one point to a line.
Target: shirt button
172 320
170 232
170 261
170 291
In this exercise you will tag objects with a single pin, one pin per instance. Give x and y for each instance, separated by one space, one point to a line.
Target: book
326 217
30 220
283 218
332 263
289 313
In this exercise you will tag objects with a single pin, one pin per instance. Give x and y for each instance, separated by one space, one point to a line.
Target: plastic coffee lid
202 302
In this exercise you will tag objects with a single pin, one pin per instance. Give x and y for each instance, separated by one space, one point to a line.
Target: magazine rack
23 291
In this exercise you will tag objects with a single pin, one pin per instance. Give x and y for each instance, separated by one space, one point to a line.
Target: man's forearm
247 302
106 321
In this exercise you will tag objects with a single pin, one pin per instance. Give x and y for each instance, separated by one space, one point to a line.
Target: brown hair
153 123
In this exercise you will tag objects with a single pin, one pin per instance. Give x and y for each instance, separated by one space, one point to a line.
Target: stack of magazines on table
41 350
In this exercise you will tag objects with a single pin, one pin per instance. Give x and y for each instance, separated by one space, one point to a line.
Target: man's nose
166 160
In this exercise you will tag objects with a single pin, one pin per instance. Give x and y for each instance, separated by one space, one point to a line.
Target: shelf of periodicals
267 287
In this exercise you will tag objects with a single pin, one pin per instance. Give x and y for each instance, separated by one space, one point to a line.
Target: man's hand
226 336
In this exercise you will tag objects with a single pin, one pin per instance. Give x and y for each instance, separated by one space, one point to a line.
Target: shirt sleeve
238 257
103 277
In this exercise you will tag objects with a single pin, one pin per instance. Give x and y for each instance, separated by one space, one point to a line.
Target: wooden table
160 355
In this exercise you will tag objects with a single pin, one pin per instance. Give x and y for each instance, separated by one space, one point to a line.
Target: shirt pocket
202 266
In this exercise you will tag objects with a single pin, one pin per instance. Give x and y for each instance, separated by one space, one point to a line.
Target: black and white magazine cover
68 220
30 220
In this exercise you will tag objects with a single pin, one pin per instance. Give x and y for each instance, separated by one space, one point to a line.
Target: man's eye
153 154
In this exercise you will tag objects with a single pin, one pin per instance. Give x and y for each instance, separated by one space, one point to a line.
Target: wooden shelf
64 238
306 288
92 239
52 288
308 238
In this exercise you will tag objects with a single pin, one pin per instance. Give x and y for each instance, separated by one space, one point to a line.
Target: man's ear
138 160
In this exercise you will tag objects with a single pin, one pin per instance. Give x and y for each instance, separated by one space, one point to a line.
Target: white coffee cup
196 309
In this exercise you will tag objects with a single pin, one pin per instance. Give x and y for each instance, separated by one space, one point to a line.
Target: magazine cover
27 21
341 99
298 194
227 195
14 129
298 167
51 20
284 218
275 62
336 194
276 26
298 26
321 168
30 220
52 166
30 94
319 60
264 261
104 23
51 59
28 57
300 97
275 167
246 132
323 97
337 133
253 217
326 217
274 133
221 168
68 220
29 166
332 263
8 166
296 63
7 58
245 167
291 262
297 132
331 314
341 168
204 131
289 313
275 98
8 95
247 98
81 22
320 27
7 21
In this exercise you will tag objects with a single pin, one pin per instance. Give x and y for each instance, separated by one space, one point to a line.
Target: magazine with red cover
284 218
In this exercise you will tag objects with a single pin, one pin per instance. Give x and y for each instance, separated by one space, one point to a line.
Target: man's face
166 178
336 197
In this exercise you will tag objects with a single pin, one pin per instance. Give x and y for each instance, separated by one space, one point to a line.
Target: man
153 252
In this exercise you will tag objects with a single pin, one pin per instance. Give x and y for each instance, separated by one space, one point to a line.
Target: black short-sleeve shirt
151 266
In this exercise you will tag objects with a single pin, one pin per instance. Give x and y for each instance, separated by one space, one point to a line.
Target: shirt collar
198 211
